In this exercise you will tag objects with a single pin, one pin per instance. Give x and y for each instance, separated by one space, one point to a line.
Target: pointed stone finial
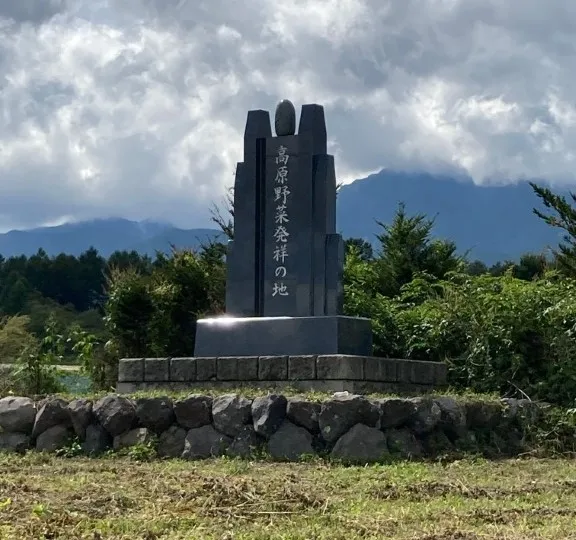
285 118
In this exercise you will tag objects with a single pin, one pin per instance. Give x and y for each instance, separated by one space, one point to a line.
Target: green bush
155 315
36 370
497 334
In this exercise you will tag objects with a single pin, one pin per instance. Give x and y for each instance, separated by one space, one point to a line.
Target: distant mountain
106 235
493 223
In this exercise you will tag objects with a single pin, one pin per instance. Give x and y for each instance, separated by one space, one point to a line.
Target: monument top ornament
285 118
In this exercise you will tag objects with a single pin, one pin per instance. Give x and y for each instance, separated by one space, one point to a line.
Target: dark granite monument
284 324
284 282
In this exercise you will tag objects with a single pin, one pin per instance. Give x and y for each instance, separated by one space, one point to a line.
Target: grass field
115 498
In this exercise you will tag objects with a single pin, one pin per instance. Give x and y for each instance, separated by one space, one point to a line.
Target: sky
136 108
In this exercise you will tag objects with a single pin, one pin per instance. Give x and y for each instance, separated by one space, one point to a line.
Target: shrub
497 334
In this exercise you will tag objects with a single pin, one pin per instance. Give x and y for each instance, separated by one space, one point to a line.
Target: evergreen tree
565 219
407 249
364 249
531 266
476 268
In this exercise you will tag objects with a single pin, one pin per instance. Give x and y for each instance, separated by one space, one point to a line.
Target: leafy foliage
15 338
513 333
156 314
36 368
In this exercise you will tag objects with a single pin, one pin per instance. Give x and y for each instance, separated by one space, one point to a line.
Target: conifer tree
563 217
407 249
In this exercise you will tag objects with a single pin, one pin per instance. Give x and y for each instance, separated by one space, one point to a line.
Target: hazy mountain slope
106 235
494 223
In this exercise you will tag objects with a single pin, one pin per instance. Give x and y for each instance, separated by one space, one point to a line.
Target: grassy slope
113 498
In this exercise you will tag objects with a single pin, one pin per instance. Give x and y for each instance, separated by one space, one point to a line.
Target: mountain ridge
492 223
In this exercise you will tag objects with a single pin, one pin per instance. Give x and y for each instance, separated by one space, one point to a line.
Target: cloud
31 11
137 108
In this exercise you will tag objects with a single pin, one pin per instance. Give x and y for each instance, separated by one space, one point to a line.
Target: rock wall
346 427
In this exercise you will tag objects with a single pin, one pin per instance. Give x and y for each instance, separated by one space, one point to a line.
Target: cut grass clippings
116 498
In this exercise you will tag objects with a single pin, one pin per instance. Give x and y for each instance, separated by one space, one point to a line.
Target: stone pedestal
281 336
284 289
302 373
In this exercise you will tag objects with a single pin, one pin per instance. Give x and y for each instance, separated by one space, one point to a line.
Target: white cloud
31 11
137 107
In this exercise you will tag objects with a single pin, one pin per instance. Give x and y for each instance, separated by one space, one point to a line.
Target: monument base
304 373
280 336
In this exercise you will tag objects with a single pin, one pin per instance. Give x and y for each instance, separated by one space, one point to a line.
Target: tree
407 249
564 219
224 217
476 268
128 312
500 268
363 248
123 260
531 266
156 314
15 337
93 279
15 293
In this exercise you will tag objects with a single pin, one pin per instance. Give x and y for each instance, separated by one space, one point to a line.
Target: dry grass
113 498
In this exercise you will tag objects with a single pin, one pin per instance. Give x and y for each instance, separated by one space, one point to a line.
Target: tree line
507 328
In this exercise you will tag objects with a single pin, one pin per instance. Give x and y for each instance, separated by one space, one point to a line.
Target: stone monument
284 282
283 324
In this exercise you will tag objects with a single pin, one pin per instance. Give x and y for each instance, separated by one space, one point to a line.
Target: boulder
528 413
304 413
494 445
80 412
230 413
205 442
483 414
14 442
131 438
403 443
193 411
54 412
290 443
97 440
245 444
520 412
361 445
452 417
426 417
436 443
155 414
17 414
467 443
171 442
116 414
54 438
516 441
395 412
343 411
268 413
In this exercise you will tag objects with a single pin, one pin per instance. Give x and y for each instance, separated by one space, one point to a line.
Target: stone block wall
360 374
346 427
